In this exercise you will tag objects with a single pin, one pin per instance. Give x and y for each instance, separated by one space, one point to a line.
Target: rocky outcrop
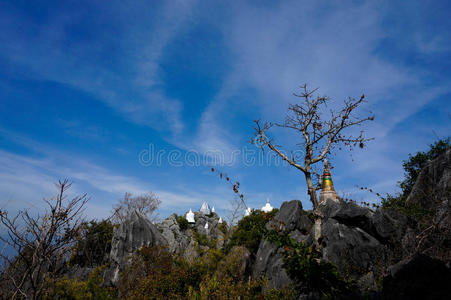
269 264
183 241
420 277
356 239
135 232
351 248
179 240
289 219
235 264
432 191
433 185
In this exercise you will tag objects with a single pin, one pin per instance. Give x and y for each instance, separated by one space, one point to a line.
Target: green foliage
413 166
92 288
93 243
413 210
154 273
305 267
203 240
183 222
223 227
250 230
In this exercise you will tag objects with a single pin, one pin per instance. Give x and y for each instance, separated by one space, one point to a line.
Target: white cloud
134 90
26 179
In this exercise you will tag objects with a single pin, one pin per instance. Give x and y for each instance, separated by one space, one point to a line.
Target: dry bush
145 203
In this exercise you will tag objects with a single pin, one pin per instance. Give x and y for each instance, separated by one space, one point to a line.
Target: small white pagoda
248 212
190 216
267 208
205 208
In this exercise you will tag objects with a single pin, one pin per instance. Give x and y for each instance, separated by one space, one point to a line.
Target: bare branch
319 135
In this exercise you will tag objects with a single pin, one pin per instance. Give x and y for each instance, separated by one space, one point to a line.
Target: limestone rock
434 182
388 225
290 217
269 260
235 264
135 232
419 277
269 263
178 241
352 249
183 242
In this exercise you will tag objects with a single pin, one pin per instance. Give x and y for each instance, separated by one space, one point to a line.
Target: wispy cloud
133 86
25 179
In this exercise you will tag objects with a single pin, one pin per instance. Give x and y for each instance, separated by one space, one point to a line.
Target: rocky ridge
369 247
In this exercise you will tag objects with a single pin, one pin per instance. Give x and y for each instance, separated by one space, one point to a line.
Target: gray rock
388 225
269 264
235 264
419 277
434 182
135 232
183 242
269 260
352 215
178 240
352 249
290 217
329 208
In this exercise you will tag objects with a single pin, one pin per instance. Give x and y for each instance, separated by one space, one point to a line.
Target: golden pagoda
327 188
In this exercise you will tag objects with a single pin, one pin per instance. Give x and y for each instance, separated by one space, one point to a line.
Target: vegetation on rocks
306 267
275 255
250 230
93 244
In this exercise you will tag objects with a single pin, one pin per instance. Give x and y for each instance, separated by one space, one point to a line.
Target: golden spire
327 179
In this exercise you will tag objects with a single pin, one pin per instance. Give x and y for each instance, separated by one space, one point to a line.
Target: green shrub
154 273
92 288
223 227
398 203
305 267
183 222
203 240
250 230
413 166
93 244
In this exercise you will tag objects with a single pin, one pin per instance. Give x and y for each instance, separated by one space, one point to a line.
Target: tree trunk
311 190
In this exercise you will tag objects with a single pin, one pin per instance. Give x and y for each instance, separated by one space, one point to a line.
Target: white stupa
267 208
248 212
213 209
190 216
220 220
206 225
205 208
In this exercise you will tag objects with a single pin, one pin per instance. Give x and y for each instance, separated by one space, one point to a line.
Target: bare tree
145 203
42 243
319 135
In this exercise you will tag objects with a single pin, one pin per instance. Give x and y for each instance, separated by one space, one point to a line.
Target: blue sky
86 87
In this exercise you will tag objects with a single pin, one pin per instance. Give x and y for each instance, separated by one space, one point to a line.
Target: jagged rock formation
432 191
434 182
183 241
238 261
269 261
419 277
136 231
361 242
352 237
